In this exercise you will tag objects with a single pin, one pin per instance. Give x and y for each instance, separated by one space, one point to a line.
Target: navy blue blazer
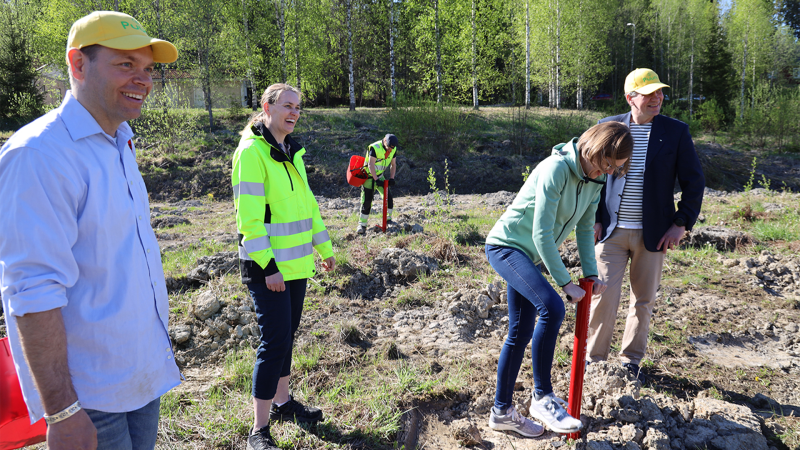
670 155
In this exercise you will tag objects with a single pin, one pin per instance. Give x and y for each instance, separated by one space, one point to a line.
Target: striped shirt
630 208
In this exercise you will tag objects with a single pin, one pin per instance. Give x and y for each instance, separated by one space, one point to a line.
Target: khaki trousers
645 275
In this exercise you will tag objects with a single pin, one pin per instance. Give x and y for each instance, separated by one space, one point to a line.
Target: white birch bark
527 55
351 77
438 52
281 13
391 51
474 71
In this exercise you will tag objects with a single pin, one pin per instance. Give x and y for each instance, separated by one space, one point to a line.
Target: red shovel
579 353
385 202
16 430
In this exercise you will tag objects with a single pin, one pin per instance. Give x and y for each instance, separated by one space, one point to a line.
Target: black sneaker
261 440
294 411
636 371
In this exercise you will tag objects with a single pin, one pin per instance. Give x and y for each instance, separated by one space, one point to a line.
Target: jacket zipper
577 194
290 177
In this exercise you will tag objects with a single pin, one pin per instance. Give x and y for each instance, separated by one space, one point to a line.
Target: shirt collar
80 123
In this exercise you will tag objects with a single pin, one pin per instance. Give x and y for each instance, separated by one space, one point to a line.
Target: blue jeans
278 316
134 430
529 294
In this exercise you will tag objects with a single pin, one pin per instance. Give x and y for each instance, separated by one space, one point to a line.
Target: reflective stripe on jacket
384 160
277 216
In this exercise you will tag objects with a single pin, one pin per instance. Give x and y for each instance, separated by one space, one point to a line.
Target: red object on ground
356 174
16 430
385 202
579 353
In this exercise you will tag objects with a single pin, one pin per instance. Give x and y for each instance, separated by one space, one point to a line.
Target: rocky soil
704 389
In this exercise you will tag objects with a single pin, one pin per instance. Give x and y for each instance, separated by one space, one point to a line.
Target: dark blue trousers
278 316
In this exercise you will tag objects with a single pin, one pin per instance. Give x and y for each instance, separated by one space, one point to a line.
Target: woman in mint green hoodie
561 194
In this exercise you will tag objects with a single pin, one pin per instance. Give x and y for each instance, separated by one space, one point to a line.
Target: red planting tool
579 353
385 202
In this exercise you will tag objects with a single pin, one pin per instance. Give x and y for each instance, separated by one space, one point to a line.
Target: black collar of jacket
259 129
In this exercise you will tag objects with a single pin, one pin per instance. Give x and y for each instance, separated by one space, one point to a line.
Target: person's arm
393 168
44 346
41 190
548 189
372 169
691 180
250 211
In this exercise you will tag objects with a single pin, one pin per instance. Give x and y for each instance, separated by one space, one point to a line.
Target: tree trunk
691 79
744 69
438 53
391 52
527 55
207 88
253 95
297 12
350 55
474 70
558 56
280 11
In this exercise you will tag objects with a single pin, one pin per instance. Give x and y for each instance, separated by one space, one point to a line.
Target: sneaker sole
552 428
282 418
501 427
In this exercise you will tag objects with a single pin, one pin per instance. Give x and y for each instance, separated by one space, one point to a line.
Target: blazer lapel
656 141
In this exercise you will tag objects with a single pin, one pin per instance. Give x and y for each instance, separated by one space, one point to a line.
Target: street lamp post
633 41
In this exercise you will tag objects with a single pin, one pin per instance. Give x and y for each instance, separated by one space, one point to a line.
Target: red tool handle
579 353
385 202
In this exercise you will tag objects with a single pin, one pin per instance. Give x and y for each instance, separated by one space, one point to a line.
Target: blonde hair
607 140
271 96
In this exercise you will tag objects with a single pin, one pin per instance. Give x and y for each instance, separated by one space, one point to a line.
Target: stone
599 445
698 436
656 439
631 433
181 333
720 237
205 305
466 433
483 305
650 410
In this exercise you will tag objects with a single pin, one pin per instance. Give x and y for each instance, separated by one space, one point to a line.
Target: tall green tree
20 97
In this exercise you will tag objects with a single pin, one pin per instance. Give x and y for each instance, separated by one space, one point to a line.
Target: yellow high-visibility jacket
383 158
277 216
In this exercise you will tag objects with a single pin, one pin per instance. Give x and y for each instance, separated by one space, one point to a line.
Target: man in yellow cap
80 268
637 221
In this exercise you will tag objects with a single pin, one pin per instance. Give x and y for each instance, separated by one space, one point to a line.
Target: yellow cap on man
643 81
119 31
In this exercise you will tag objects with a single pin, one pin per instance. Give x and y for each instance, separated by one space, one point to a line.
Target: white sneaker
551 413
513 421
362 229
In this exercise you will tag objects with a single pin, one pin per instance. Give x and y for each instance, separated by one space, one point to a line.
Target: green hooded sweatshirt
556 198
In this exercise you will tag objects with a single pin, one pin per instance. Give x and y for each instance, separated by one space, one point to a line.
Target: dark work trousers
278 316
368 193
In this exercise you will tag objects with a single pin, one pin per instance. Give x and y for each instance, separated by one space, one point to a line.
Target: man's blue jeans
529 294
134 430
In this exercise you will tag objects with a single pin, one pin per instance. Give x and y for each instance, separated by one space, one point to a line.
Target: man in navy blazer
637 221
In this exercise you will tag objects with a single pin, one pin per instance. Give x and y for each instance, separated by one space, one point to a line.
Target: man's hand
275 282
671 238
574 293
598 229
74 433
391 181
329 264
599 286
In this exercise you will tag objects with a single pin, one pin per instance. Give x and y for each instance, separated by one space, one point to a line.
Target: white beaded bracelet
65 413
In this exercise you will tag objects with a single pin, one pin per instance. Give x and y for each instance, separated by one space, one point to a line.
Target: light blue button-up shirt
75 234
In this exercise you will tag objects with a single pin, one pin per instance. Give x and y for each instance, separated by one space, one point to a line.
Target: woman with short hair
561 194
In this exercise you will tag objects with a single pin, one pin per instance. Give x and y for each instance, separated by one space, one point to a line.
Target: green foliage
20 99
712 116
557 127
431 130
166 121
771 120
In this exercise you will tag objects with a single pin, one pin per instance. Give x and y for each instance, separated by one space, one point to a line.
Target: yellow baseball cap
119 31
643 81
